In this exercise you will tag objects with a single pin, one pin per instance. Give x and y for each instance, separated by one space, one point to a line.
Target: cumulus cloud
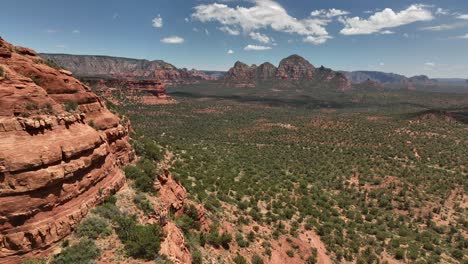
329 13
386 32
260 37
230 51
463 37
263 14
385 19
255 47
173 40
158 22
430 64
230 31
316 40
464 16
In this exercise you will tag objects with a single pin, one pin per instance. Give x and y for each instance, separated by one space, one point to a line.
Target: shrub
32 106
197 257
52 64
225 239
91 124
143 175
108 209
399 253
185 223
290 253
36 80
238 259
458 254
84 252
70 106
256 259
143 203
93 227
34 261
241 241
2 72
139 241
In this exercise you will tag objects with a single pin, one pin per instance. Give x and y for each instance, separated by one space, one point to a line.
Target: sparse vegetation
93 227
84 252
330 164
70 106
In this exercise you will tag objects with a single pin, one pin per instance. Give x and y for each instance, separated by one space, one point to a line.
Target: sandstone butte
60 153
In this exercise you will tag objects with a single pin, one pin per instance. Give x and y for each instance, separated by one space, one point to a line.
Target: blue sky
407 37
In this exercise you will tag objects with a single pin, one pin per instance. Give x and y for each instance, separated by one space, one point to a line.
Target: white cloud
76 31
386 18
187 19
430 64
441 11
158 22
207 32
255 47
329 13
115 16
51 31
230 31
464 16
263 14
381 64
463 37
316 40
230 51
60 46
259 37
173 40
444 27
386 32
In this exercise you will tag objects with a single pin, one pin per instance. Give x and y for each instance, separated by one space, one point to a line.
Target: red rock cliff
59 156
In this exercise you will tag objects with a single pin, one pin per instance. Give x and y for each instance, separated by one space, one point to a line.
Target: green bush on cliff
84 252
93 228
143 174
140 241
143 203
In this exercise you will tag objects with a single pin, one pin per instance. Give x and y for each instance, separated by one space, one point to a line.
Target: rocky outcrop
293 69
125 68
174 245
172 194
266 71
60 152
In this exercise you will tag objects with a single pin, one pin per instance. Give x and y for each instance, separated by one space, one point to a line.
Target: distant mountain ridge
293 68
118 67
386 78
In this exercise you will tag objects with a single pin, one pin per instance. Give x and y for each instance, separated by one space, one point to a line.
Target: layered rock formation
125 68
293 68
60 152
148 91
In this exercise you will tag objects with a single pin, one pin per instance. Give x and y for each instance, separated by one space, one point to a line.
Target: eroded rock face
125 68
174 245
292 69
295 68
60 152
171 193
